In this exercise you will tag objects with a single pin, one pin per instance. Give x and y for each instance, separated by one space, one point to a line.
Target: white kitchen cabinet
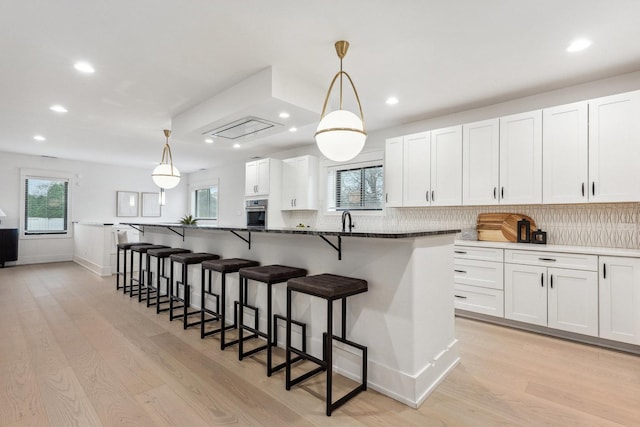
614 148
481 162
393 171
478 280
565 149
620 299
521 158
430 166
257 178
558 290
525 293
446 166
573 300
416 169
300 183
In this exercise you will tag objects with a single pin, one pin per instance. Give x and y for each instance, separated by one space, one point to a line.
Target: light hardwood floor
74 352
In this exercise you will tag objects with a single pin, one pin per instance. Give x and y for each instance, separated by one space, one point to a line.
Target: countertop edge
586 250
304 231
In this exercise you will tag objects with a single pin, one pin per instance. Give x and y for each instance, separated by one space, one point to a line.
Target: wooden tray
500 227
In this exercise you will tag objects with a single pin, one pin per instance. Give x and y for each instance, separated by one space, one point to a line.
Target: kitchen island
406 318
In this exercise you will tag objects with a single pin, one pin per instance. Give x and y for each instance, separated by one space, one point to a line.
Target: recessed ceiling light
236 145
392 100
284 115
84 67
579 44
58 109
209 141
293 129
39 138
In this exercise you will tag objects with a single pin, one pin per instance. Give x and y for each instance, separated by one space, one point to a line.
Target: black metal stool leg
328 356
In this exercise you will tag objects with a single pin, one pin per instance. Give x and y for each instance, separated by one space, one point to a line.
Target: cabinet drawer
482 254
479 300
552 259
487 274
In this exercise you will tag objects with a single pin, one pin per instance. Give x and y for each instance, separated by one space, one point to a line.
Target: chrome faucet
346 214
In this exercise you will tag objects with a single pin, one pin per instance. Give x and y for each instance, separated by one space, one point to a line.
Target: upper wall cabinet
565 151
424 169
393 171
416 180
300 183
260 175
481 162
521 158
446 166
614 148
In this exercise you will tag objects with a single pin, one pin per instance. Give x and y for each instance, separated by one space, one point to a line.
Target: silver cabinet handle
433 196
460 271
547 259
460 296
460 252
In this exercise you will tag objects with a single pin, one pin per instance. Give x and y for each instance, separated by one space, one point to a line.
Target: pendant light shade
341 134
165 175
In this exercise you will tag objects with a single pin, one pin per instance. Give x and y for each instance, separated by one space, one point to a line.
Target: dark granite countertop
308 231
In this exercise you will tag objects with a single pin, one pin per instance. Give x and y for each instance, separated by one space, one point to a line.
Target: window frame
368 159
193 188
46 175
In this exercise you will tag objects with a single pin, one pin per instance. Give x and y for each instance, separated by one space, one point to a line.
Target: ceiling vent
247 126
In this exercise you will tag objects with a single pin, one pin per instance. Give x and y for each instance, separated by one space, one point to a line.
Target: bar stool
186 259
161 255
224 267
142 272
124 247
271 275
331 288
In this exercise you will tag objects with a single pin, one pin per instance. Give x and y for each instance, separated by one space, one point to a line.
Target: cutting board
500 227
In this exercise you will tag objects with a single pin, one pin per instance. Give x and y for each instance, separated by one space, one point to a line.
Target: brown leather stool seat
224 267
269 274
141 281
124 247
330 287
186 259
161 256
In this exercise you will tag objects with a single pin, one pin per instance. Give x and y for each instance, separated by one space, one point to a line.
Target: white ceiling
157 59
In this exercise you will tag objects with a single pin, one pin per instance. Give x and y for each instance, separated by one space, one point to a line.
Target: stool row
329 287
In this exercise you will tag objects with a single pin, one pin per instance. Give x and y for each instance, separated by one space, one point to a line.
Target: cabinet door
416 170
620 299
565 154
521 158
480 162
614 148
250 178
525 293
262 177
573 301
393 158
446 166
289 184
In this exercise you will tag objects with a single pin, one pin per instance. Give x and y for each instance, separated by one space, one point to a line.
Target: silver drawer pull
460 271
460 296
459 252
547 259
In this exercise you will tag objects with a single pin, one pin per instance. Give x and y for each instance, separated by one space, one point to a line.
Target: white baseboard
100 270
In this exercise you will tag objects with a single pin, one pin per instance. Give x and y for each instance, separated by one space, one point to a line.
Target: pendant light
165 175
341 134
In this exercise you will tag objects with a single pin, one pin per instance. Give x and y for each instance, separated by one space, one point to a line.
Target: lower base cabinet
620 299
555 297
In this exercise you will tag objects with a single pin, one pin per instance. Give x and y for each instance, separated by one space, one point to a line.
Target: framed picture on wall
150 204
126 203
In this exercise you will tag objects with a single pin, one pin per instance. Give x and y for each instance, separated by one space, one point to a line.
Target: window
46 207
357 186
206 202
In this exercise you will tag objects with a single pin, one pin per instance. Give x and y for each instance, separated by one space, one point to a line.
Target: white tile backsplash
612 225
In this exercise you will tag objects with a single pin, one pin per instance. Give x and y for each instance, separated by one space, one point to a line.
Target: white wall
93 199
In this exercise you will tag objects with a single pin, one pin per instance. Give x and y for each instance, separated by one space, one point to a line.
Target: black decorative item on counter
539 237
524 231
